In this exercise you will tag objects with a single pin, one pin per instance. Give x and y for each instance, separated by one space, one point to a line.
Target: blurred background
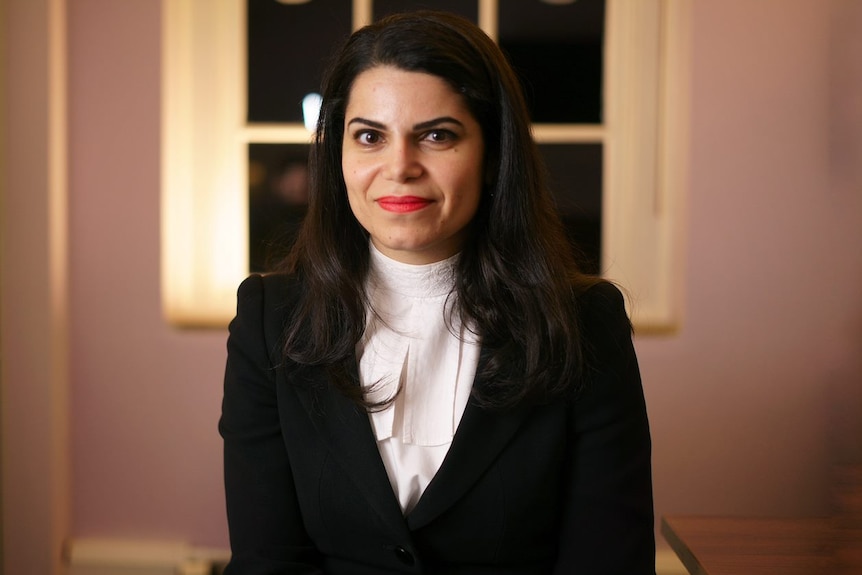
109 413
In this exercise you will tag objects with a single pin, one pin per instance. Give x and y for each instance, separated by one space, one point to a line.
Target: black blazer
559 488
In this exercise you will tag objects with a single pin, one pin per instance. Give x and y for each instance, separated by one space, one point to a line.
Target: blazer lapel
346 429
480 437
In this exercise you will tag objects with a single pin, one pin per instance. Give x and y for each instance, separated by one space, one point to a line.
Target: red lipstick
402 204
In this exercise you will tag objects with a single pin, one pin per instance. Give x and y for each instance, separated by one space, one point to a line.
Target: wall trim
34 308
99 556
141 557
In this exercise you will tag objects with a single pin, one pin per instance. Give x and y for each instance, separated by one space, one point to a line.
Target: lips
402 204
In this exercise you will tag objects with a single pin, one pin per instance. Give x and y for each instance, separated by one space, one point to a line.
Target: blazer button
403 555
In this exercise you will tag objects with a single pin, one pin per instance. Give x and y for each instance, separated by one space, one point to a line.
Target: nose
402 161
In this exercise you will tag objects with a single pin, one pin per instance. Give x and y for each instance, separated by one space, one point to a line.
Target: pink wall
145 397
747 402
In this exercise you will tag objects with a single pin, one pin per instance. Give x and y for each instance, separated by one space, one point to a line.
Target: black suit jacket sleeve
266 531
608 524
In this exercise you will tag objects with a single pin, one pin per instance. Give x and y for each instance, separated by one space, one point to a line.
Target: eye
367 137
440 136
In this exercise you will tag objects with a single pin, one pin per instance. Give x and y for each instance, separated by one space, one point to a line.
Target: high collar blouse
416 351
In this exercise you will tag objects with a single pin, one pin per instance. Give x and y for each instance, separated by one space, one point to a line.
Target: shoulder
600 293
602 306
271 292
264 305
605 328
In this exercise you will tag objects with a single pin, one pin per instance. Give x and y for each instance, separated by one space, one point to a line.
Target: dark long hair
516 278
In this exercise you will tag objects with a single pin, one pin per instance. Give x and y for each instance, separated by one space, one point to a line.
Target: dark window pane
576 179
288 46
277 199
557 52
467 8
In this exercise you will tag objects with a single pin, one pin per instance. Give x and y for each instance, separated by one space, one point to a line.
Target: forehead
391 91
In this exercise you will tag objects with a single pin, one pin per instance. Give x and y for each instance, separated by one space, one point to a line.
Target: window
614 146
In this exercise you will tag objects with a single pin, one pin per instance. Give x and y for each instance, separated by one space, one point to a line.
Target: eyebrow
417 127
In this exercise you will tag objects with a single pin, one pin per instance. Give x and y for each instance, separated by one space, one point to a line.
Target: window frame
204 165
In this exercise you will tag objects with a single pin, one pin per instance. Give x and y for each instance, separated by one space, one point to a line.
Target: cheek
469 181
356 201
356 176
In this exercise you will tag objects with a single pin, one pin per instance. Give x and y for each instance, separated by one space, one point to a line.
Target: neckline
412 280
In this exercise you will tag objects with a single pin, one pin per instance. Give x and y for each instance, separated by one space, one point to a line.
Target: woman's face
412 159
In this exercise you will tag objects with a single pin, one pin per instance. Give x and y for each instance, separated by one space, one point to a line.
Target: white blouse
409 341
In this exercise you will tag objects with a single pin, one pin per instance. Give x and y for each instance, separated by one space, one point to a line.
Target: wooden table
748 546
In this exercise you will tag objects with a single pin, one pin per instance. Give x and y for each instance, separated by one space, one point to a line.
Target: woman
431 386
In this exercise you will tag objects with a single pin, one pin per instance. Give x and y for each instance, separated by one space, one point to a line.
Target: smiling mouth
402 204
